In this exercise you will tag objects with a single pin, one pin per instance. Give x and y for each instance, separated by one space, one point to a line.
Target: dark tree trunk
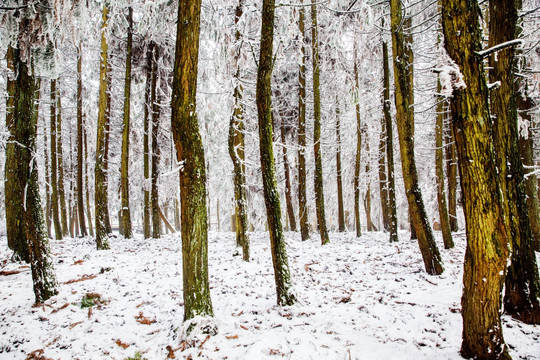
287 170
80 126
156 113
357 164
147 215
341 210
190 153
452 176
54 168
271 195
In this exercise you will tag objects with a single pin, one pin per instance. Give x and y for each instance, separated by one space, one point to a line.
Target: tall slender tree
522 298
147 215
367 200
392 209
339 180
358 152
60 163
405 120
54 167
156 114
302 199
237 144
488 248
271 195
124 177
190 153
80 130
100 174
86 184
319 180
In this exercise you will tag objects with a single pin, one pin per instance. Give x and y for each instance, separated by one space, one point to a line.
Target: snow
360 298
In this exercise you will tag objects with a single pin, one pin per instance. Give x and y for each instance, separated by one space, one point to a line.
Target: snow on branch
499 47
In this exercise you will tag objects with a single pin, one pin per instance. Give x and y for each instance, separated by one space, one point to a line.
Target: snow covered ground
359 299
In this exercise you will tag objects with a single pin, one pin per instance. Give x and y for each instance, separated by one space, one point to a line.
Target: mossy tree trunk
488 247
439 172
525 104
80 130
271 195
403 68
13 187
237 146
392 208
100 174
156 114
302 199
341 210
522 297
124 171
147 215
24 134
190 153
54 166
357 164
319 180
287 171
60 162
47 169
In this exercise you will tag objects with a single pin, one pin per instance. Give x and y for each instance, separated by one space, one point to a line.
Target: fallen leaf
230 337
77 262
9 272
205 340
243 327
75 324
82 278
141 319
60 308
170 351
123 345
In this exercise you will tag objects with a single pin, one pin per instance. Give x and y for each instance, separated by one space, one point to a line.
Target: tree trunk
54 169
271 195
452 177
190 153
101 202
147 216
47 179
319 183
367 200
156 113
525 104
86 185
382 166
302 199
80 125
60 159
439 170
237 147
124 171
488 247
24 134
392 208
288 187
13 187
522 297
358 154
405 121
106 154
341 210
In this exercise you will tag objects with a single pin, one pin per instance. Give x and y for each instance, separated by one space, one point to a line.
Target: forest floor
359 298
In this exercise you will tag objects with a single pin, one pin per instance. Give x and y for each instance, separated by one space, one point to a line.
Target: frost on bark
60 163
100 174
287 171
271 195
341 210
80 130
190 154
147 216
319 180
237 147
358 155
403 67
522 297
156 114
367 199
13 187
392 209
488 247
87 186
54 166
439 171
302 200
124 170
24 131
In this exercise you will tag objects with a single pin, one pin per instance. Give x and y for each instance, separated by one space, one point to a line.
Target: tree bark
124 171
488 247
439 171
86 185
237 146
60 162
80 125
156 113
358 154
452 177
319 181
147 215
341 210
522 297
302 198
405 121
367 200
190 154
54 168
271 195
287 170
100 174
392 208
24 134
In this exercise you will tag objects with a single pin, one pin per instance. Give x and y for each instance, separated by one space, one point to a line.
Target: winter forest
233 179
